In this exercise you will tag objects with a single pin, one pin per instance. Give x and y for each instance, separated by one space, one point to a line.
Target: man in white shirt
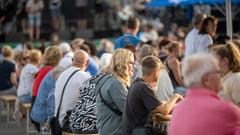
71 93
193 34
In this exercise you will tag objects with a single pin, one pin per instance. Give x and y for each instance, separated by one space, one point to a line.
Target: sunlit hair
118 65
150 64
77 41
35 55
147 50
198 19
104 62
133 23
106 45
52 56
205 23
7 51
231 52
173 45
196 66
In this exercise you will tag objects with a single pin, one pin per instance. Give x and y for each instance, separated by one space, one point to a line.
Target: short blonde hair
35 55
7 51
118 66
150 64
77 41
52 56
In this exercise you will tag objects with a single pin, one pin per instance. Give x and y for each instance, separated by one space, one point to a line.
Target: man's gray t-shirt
114 92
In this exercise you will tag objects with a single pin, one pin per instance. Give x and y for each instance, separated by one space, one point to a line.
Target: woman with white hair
202 112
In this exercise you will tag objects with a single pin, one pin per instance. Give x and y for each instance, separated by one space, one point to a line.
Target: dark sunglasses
26 58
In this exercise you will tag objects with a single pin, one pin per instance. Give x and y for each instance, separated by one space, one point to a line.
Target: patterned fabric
83 119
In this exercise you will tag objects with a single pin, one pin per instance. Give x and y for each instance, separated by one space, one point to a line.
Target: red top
42 72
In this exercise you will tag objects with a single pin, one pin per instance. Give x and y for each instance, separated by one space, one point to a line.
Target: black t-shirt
141 101
6 68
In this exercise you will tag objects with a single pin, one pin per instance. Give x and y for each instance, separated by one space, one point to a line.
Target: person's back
126 39
71 92
192 35
92 68
42 110
202 43
130 36
83 117
6 68
189 42
203 113
111 92
115 93
7 71
140 101
164 86
27 79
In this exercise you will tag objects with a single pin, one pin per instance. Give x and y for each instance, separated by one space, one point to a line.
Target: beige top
231 84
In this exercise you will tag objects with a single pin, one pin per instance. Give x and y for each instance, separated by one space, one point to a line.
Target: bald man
71 93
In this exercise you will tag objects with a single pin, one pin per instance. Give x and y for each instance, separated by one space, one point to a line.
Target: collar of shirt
193 92
227 75
128 34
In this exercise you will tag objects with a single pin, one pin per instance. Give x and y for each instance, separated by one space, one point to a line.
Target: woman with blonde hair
27 76
144 51
51 59
229 60
111 91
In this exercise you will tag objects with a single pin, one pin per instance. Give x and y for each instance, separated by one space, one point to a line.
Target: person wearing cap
130 37
67 54
191 36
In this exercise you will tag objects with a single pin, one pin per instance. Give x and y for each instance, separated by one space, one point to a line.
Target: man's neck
78 66
197 27
148 79
132 32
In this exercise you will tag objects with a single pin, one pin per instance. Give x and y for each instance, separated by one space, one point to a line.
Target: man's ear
205 80
225 60
87 62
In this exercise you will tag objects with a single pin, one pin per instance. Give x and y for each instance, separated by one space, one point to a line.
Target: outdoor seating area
119 67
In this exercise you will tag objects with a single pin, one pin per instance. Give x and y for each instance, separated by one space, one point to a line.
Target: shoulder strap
115 110
64 90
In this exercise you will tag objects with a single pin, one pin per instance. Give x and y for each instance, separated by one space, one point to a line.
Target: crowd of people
115 89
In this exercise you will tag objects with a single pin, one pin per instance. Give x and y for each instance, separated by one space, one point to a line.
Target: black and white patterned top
83 119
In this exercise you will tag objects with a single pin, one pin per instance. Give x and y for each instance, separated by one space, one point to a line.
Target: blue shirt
92 68
44 105
126 39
